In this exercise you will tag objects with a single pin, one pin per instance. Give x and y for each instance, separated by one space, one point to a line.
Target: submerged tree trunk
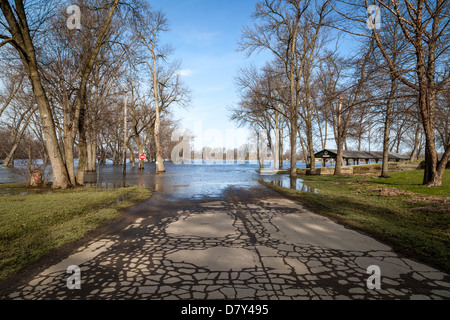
293 142
91 155
276 152
141 151
259 151
159 159
9 160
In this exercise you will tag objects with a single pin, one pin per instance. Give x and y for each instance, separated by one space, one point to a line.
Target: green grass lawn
412 181
35 221
414 219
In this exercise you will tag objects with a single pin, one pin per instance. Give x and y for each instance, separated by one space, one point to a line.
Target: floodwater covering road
213 232
194 181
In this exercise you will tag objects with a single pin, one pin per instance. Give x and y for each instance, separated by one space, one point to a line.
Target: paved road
250 244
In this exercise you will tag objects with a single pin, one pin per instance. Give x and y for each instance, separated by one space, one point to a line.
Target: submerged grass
35 221
414 219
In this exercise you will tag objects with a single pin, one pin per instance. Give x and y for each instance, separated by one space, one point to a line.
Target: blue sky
204 34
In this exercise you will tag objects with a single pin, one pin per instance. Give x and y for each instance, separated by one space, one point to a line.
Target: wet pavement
238 242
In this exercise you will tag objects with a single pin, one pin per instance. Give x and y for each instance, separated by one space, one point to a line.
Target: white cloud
186 72
201 38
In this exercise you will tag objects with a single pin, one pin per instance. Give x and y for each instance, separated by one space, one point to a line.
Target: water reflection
293 183
195 181
285 181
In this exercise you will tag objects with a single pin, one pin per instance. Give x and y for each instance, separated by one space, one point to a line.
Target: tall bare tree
149 27
277 29
425 24
16 32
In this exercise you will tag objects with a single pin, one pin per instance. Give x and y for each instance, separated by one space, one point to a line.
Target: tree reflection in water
286 181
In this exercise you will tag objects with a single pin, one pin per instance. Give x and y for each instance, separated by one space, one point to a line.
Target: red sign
142 157
99 156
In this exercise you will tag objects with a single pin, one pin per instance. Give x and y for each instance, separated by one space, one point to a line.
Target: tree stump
36 178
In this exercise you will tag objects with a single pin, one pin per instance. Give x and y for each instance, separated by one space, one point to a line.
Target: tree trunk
259 151
91 155
293 142
69 140
276 152
156 132
82 160
294 82
312 158
82 148
339 158
280 149
141 151
426 106
304 149
339 140
415 152
387 131
9 160
60 175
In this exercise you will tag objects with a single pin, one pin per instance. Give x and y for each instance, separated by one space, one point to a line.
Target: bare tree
425 25
17 33
148 29
278 32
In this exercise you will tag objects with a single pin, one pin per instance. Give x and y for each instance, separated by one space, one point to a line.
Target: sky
204 34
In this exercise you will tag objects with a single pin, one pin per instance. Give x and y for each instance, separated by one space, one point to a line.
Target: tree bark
9 160
312 158
415 152
82 149
276 152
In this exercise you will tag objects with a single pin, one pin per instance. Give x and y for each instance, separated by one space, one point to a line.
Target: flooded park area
180 181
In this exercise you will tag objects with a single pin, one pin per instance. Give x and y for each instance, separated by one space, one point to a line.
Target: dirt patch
418 202
430 204
357 182
390 192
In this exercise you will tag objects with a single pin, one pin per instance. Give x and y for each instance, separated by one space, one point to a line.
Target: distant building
356 156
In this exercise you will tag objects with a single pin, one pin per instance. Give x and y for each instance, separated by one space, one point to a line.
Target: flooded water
192 181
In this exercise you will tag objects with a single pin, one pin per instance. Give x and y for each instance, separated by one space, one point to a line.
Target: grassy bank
35 221
412 218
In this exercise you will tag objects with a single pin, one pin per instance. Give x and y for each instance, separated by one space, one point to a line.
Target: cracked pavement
248 244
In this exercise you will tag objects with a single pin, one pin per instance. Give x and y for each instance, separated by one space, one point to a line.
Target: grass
412 181
413 219
34 222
